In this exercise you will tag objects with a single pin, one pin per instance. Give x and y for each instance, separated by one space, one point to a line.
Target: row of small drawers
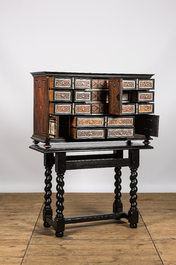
104 133
81 83
88 96
98 108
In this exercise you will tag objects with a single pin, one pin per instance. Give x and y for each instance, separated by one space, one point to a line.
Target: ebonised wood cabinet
87 106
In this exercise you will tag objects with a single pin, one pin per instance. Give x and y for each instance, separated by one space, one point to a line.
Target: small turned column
60 163
47 210
133 211
117 205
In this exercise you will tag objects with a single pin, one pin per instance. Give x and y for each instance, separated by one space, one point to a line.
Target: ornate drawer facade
145 108
120 132
87 121
77 133
59 95
120 121
141 96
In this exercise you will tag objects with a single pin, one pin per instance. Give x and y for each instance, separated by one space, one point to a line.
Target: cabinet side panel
41 122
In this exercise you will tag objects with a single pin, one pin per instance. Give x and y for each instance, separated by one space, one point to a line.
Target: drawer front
145 108
82 83
146 84
128 84
100 96
145 96
88 122
128 109
125 97
87 133
99 108
120 132
100 84
82 109
62 109
59 95
82 96
62 82
118 122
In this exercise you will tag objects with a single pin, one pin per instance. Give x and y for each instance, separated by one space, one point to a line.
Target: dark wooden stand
58 155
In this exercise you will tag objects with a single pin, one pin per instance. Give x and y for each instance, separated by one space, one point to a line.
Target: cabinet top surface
93 75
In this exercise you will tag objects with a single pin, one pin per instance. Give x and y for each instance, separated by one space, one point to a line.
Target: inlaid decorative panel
100 96
99 108
82 96
144 96
145 108
120 121
128 84
100 83
60 95
115 95
40 107
63 109
82 83
62 83
82 109
92 122
121 132
90 134
146 84
128 109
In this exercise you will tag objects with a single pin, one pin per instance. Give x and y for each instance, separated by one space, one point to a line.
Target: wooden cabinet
73 106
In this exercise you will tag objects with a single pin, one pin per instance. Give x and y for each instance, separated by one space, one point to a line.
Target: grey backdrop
87 36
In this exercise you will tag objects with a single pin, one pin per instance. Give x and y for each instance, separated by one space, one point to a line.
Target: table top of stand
89 146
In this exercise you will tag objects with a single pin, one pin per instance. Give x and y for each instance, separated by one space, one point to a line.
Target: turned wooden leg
117 205
47 210
133 211
60 162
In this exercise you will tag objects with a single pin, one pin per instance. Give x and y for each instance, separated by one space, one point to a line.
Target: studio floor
24 240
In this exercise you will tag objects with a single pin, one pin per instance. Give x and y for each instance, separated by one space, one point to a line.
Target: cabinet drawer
58 82
100 108
56 108
141 96
144 108
121 121
87 122
82 96
100 95
82 83
128 84
120 132
82 109
146 84
100 84
128 109
59 95
87 133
